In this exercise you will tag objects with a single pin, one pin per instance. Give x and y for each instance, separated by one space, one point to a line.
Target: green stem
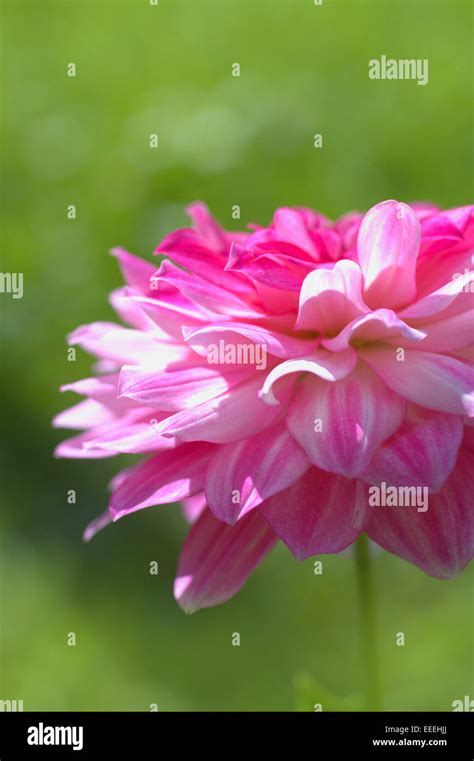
365 582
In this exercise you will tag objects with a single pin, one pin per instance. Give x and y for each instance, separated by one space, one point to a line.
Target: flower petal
84 414
103 389
321 513
207 227
170 310
168 477
277 344
379 325
447 229
281 272
440 541
133 314
322 363
96 525
232 416
176 389
216 559
193 507
74 448
446 333
137 437
440 299
430 380
110 341
387 246
211 296
293 226
340 425
242 475
422 452
136 272
330 298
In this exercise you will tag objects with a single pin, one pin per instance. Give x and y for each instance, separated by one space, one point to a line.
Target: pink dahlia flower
273 378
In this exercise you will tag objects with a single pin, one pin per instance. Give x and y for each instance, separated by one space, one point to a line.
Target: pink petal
216 559
136 272
209 295
168 477
74 448
465 355
447 332
193 507
328 242
232 416
322 363
379 325
267 269
242 475
176 389
330 298
110 341
435 271
206 226
438 234
292 225
424 209
299 230
119 478
422 452
170 310
468 437
430 380
347 227
387 245
279 305
321 513
440 299
114 436
293 230
190 249
440 541
132 437
96 525
448 229
205 249
186 248
130 309
462 217
340 425
277 344
84 414
103 389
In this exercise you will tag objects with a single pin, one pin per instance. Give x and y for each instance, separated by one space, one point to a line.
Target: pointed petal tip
180 586
96 525
117 251
267 396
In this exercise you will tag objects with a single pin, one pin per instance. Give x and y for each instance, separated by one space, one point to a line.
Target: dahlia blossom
366 327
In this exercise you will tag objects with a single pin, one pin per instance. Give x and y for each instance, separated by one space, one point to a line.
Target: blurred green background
166 69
